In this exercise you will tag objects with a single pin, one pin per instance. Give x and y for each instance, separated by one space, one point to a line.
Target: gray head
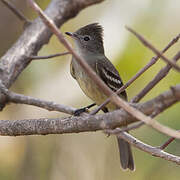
89 38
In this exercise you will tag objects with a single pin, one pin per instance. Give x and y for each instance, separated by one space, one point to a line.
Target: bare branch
20 16
164 145
138 74
139 124
123 129
86 123
48 105
34 37
107 91
162 73
157 52
147 148
49 56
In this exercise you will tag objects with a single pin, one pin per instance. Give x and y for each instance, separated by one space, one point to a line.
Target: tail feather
126 157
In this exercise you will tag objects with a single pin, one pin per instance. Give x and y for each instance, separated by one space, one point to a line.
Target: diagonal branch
92 123
107 91
16 12
147 148
150 46
34 37
161 74
48 105
164 145
138 74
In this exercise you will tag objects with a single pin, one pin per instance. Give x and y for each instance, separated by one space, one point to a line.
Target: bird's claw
78 112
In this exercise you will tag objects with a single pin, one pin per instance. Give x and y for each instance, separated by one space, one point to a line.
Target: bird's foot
84 109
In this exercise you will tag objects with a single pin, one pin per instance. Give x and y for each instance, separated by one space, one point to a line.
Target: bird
88 41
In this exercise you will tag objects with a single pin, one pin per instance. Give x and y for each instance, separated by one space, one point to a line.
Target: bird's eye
86 38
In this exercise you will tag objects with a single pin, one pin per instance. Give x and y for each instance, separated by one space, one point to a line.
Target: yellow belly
93 91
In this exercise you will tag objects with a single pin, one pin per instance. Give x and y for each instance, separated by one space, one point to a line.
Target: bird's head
89 38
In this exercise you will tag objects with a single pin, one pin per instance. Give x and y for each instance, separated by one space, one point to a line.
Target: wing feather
110 75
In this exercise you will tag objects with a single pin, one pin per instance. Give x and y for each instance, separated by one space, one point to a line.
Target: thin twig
48 105
150 46
161 74
124 129
49 56
107 91
16 12
139 124
164 145
156 112
147 148
132 127
138 74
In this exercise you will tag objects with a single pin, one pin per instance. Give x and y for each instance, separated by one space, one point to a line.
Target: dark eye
86 38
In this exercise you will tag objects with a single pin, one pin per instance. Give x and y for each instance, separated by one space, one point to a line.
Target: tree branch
161 74
87 122
150 46
111 120
49 56
16 12
138 74
147 148
11 67
34 37
48 105
105 89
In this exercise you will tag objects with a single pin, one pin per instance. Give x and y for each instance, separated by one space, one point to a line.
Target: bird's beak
73 35
69 33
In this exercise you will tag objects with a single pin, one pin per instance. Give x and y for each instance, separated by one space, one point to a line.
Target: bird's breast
89 87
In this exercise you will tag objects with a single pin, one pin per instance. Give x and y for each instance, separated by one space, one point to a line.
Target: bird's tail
125 152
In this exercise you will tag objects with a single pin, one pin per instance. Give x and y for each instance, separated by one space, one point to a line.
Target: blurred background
90 156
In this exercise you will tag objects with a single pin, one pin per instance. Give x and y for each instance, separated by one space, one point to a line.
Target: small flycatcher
89 45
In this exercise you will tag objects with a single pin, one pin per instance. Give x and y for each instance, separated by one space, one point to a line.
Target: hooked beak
73 35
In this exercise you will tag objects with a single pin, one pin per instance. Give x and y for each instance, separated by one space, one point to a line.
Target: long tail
125 152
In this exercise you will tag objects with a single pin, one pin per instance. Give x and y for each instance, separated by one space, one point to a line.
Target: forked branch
114 97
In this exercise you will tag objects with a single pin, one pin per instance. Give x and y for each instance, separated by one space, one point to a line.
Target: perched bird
89 45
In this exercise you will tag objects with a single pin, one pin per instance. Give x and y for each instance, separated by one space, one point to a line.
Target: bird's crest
94 30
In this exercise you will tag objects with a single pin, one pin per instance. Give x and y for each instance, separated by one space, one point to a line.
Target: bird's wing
109 75
72 70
